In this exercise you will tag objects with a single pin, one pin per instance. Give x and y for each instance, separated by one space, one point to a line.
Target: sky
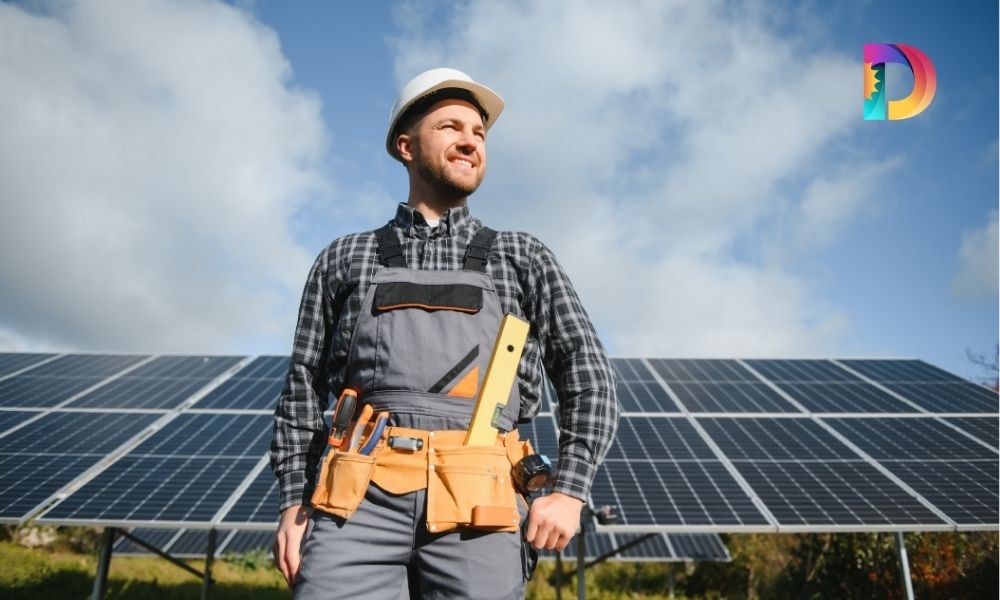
170 169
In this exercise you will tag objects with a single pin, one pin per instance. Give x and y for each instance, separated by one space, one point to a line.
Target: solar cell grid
149 393
63 433
40 458
28 391
643 438
543 436
631 369
250 394
909 438
966 491
832 493
730 397
775 439
265 367
211 434
87 365
706 369
12 418
812 370
202 367
13 362
949 397
156 488
699 546
259 503
986 429
844 397
673 494
644 396
158 538
888 371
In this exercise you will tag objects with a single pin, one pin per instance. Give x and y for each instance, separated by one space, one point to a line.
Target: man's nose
467 142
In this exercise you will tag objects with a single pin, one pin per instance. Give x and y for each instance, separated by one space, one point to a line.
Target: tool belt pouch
342 483
470 486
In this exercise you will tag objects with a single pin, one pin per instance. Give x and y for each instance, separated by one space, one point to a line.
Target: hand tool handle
342 416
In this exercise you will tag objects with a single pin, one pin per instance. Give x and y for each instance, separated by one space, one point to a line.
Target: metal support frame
559 574
108 542
904 566
581 562
206 583
103 563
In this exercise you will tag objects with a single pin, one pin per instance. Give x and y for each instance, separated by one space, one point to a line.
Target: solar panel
141 393
833 494
952 472
87 365
265 367
802 370
730 397
949 397
13 418
158 538
966 491
805 476
986 429
657 495
184 473
644 396
900 371
658 439
709 369
40 392
775 439
40 458
14 362
698 546
242 542
237 394
844 397
258 504
631 369
187 367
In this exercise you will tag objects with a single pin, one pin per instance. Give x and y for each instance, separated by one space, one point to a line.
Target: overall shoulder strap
478 251
389 248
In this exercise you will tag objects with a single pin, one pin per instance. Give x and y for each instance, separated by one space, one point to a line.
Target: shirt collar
412 222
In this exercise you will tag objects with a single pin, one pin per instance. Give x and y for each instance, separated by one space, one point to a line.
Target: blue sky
701 169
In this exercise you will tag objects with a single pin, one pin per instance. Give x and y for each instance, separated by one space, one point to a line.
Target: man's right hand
288 541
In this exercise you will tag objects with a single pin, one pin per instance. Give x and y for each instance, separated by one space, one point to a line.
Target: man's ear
404 147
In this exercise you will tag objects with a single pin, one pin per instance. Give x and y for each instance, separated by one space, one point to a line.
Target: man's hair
423 104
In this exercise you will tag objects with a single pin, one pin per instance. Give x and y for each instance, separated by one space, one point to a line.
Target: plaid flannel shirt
529 282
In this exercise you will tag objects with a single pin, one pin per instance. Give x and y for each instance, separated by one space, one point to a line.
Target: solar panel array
659 547
704 445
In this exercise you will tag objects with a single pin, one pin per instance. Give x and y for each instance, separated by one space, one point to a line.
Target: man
392 314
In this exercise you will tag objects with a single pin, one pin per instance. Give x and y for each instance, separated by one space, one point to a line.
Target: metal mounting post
103 563
904 566
209 555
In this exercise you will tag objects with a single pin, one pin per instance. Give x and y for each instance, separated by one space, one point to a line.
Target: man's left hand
552 521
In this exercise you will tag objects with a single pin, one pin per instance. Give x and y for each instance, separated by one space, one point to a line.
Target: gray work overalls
420 334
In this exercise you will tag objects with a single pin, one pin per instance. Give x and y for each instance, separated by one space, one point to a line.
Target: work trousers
384 551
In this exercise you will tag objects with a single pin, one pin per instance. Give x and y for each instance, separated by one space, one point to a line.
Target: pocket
343 482
470 486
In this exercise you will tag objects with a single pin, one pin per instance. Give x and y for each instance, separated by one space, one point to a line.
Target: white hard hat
432 81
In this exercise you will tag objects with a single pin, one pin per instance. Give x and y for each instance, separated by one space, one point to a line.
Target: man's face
447 148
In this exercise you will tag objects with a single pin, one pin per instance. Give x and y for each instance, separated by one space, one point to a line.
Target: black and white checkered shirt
529 282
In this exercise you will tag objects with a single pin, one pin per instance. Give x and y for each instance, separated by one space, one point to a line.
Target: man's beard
447 188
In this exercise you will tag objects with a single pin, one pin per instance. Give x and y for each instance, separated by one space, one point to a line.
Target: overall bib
419 349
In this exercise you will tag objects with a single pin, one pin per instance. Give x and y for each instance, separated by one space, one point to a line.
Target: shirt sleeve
578 366
300 433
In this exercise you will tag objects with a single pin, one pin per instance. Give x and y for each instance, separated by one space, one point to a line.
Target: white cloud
646 141
978 274
152 158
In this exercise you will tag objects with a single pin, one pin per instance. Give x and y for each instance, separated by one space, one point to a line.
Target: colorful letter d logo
924 82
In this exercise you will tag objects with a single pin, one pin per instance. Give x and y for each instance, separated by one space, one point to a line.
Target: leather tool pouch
342 483
470 486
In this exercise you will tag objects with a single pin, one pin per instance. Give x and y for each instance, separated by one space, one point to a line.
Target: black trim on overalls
389 248
478 251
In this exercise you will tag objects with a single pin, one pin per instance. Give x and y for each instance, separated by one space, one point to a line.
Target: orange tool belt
467 486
